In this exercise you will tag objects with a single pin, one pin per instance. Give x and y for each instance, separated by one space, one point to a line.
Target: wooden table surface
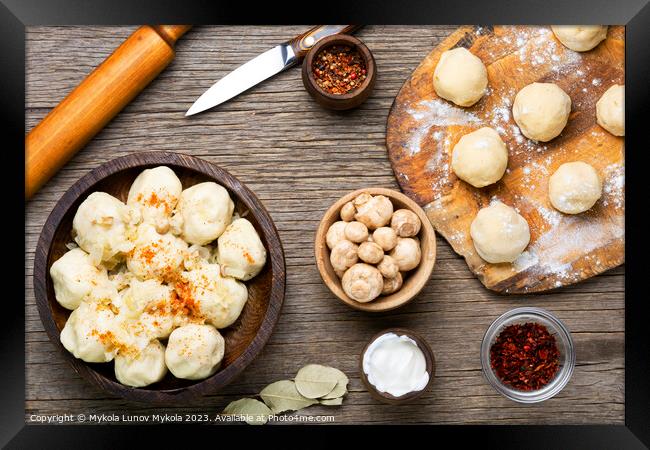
299 158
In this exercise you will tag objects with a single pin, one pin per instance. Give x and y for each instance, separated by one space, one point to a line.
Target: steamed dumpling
103 227
91 333
218 299
139 294
75 278
142 369
194 351
155 192
240 250
156 256
206 210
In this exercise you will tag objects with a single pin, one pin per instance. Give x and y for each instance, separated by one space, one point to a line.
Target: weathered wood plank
299 158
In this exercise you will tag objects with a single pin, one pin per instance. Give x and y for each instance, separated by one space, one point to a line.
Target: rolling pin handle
171 33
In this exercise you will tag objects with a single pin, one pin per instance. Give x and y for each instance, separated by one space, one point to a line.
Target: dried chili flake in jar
339 69
525 357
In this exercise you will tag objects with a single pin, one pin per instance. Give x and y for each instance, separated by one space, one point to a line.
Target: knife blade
264 66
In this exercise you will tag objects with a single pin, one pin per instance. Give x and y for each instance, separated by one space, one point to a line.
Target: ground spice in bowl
339 69
525 356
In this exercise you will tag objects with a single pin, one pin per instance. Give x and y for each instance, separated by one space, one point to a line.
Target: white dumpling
91 333
144 368
155 256
194 351
240 251
206 210
75 278
139 294
219 299
196 256
155 192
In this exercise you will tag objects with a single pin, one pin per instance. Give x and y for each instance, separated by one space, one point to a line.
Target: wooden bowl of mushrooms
375 249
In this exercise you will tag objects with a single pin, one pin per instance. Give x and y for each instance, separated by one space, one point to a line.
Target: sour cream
395 365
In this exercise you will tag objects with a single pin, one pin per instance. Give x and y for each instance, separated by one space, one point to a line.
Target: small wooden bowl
339 101
410 396
244 339
415 279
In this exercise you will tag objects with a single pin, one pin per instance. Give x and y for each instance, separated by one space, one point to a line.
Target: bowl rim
557 328
334 284
276 258
429 357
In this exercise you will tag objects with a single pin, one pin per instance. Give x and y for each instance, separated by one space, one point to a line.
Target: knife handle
96 100
303 43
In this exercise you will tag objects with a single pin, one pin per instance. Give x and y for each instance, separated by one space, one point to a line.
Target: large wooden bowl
244 339
414 280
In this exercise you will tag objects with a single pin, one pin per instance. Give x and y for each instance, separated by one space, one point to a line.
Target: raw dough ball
499 233
406 254
610 110
156 256
206 210
75 278
348 211
574 187
405 223
344 255
385 237
335 234
218 299
143 369
90 333
480 158
541 110
580 37
194 351
362 283
392 284
240 250
155 193
356 232
102 227
370 252
388 267
375 212
460 77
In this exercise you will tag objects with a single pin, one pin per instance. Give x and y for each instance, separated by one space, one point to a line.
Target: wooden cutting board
423 128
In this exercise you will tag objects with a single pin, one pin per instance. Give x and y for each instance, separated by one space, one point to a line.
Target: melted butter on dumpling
156 256
240 251
156 192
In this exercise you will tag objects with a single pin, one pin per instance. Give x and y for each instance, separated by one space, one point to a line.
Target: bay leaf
341 387
254 411
332 401
284 396
314 380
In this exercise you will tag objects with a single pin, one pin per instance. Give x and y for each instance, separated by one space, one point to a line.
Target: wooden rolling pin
99 97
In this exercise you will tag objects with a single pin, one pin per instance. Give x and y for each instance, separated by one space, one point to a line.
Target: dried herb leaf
332 401
283 396
341 387
314 380
254 411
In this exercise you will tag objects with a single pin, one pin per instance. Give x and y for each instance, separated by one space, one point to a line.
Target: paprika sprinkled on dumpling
155 192
240 251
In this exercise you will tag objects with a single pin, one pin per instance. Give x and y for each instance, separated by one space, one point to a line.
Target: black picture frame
15 15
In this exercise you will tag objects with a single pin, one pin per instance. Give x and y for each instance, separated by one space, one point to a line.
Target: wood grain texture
423 129
244 339
299 158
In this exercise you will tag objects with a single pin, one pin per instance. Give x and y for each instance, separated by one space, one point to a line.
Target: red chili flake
339 69
525 357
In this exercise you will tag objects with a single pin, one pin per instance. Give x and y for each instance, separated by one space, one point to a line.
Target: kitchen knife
264 66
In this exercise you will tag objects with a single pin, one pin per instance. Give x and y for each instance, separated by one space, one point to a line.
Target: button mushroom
406 254
361 199
348 211
386 238
370 252
392 284
388 267
375 213
405 223
344 255
335 234
362 282
356 232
